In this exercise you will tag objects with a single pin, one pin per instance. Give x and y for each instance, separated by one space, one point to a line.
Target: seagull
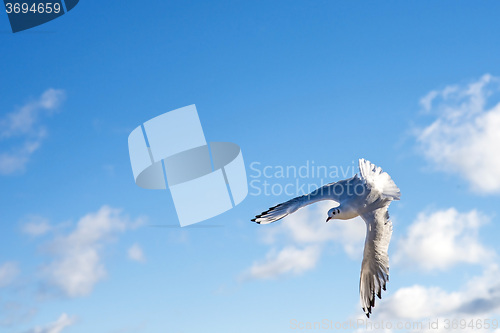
369 196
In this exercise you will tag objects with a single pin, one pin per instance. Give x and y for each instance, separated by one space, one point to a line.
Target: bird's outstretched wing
376 179
375 266
281 210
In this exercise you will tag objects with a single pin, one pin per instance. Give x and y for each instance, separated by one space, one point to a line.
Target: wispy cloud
14 313
77 265
442 239
55 327
24 132
36 226
288 260
465 137
135 253
304 235
8 273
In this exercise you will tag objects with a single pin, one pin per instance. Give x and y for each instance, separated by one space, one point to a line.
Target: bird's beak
328 219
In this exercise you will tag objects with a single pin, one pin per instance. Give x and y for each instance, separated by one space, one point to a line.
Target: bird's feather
378 180
375 265
281 210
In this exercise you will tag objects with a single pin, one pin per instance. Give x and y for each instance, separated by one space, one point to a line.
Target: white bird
368 196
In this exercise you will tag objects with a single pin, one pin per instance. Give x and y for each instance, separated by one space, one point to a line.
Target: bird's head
333 214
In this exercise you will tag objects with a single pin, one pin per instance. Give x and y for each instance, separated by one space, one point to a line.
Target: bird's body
367 196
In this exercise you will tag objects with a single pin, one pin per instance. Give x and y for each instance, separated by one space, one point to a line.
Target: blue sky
411 86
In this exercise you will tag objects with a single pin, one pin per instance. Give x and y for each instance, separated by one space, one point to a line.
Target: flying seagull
368 196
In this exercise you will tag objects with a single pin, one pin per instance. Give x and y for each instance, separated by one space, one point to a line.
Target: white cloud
304 235
57 326
14 313
77 266
419 302
16 160
36 226
135 253
24 124
8 273
307 226
288 260
444 238
480 296
465 137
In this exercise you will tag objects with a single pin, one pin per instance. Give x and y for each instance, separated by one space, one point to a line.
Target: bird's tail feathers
379 180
